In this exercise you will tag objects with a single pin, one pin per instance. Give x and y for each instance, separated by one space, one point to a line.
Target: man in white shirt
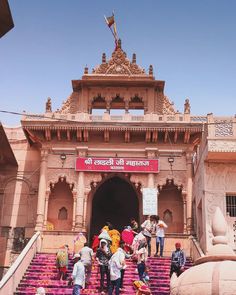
160 235
86 255
116 263
148 227
78 275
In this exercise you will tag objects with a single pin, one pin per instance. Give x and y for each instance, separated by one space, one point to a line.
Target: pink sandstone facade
45 192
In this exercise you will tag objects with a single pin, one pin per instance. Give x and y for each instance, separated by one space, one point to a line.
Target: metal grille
231 205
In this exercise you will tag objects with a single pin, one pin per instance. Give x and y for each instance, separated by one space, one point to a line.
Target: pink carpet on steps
42 272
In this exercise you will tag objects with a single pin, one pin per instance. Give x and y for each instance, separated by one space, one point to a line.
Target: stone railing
195 249
221 127
15 273
81 117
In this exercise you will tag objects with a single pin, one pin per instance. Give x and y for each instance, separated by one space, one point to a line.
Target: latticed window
231 205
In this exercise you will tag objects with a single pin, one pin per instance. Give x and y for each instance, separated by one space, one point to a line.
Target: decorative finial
104 58
119 44
86 70
219 228
220 242
134 58
48 105
150 70
187 106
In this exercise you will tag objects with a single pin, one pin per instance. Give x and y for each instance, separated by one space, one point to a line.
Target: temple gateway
117 148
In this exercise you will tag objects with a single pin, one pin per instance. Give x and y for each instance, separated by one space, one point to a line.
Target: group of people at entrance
154 226
111 249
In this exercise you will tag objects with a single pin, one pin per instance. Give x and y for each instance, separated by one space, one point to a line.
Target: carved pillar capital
47 194
151 152
189 157
82 151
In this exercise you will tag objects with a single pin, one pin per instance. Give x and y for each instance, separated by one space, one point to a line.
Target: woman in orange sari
115 237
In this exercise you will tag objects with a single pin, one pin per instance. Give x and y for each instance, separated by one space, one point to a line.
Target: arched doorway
170 207
60 206
116 201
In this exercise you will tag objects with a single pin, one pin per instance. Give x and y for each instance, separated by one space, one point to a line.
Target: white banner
149 201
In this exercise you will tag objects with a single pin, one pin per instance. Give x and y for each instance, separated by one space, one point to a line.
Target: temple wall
20 192
199 197
215 177
220 181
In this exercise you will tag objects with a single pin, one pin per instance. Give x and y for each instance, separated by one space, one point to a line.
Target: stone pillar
85 209
80 203
46 210
74 209
151 180
108 106
189 192
42 191
126 106
151 153
184 194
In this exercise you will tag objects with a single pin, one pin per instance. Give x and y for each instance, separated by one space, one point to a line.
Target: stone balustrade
178 117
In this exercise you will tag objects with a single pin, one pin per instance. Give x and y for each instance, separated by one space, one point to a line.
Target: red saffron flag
110 20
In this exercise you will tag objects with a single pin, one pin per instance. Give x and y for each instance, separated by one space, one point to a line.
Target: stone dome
213 274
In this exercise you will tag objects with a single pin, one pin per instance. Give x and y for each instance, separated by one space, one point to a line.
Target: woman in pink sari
127 236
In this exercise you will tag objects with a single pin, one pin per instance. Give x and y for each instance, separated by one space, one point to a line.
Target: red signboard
117 165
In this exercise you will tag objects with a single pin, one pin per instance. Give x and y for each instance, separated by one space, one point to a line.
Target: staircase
160 274
42 272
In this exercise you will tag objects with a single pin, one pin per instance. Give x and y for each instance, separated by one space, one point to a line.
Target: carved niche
55 175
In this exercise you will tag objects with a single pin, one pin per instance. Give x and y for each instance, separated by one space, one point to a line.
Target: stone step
42 272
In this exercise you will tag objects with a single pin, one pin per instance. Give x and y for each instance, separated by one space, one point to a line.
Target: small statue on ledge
48 105
187 106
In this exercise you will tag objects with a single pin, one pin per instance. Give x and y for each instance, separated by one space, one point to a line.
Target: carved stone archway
171 206
60 196
116 199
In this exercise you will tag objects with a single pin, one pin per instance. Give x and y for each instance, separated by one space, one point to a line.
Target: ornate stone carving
56 175
119 64
139 178
178 179
168 106
187 106
66 106
223 128
222 145
159 98
92 178
49 105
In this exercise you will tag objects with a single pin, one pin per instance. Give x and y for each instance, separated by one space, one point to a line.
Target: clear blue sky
191 45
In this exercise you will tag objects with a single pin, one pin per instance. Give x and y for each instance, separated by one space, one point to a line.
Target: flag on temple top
110 20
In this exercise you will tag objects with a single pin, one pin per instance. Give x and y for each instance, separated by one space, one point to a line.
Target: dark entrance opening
115 201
